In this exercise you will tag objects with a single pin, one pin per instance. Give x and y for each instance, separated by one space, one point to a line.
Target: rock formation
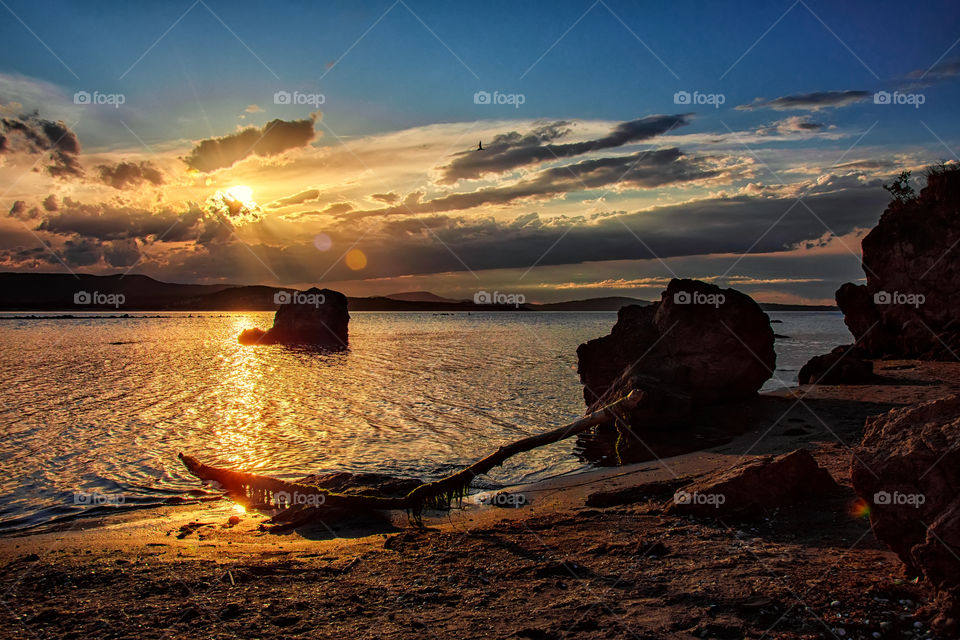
909 307
752 487
843 365
907 469
317 317
698 345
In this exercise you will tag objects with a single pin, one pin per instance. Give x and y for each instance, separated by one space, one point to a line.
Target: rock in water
316 317
907 468
843 365
753 487
909 307
699 344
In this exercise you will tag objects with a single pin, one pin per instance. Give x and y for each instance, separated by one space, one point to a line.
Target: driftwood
439 493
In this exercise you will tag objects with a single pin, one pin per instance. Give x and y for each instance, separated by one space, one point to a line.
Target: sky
337 144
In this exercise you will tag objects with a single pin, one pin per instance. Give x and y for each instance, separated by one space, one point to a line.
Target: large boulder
752 487
698 345
843 365
316 317
907 469
909 307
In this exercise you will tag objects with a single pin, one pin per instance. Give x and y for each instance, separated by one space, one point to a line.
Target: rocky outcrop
909 307
698 345
843 365
316 317
752 487
907 469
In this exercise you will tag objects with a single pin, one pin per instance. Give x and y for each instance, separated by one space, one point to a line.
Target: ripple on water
102 407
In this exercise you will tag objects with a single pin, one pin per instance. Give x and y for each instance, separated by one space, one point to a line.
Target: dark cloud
512 150
121 253
943 70
273 139
104 222
808 101
337 208
644 170
128 175
793 124
297 198
82 252
31 134
386 198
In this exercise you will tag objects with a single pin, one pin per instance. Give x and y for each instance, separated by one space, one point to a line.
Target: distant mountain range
65 292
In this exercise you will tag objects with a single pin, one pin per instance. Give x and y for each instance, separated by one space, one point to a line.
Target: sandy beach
589 555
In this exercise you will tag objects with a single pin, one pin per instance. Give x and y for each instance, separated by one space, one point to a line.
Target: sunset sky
303 143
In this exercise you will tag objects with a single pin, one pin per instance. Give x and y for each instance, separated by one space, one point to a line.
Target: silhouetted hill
420 296
612 303
57 291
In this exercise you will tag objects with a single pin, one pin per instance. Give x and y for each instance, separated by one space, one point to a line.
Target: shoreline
152 560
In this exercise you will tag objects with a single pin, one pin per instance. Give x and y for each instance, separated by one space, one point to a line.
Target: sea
94 410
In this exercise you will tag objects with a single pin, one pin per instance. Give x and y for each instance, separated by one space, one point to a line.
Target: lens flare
322 242
859 508
356 259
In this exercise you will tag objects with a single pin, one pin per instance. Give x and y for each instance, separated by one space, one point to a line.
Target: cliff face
909 306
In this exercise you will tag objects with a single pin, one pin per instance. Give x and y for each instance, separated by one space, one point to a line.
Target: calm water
102 406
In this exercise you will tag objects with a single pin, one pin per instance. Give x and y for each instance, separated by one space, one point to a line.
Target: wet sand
589 555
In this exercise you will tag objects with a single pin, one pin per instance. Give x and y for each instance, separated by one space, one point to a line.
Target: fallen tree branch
439 493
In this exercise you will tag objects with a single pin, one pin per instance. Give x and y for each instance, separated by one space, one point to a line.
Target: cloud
128 175
808 101
121 253
941 71
272 139
643 170
297 198
253 108
386 198
105 222
791 125
512 150
31 134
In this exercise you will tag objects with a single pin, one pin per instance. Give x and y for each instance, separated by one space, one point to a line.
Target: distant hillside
421 296
58 291
773 306
612 303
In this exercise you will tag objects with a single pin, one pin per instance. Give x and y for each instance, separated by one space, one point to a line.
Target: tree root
275 493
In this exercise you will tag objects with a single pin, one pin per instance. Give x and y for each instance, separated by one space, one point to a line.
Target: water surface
97 409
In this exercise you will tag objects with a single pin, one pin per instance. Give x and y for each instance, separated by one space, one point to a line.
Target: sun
242 194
